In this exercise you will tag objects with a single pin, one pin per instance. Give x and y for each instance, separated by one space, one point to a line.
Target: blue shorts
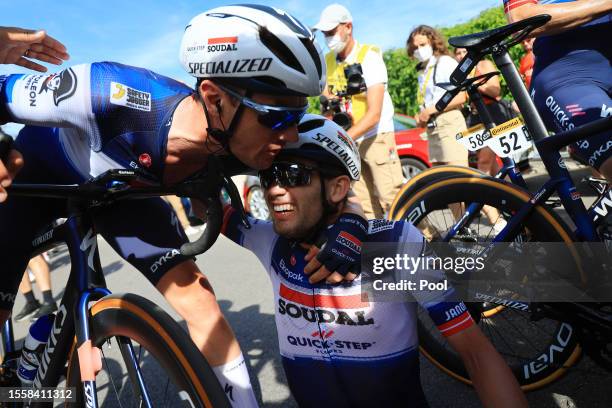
573 90
141 231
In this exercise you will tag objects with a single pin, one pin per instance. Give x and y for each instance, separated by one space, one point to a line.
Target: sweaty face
257 145
295 210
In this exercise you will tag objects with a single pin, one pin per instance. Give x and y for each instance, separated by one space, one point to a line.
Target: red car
411 148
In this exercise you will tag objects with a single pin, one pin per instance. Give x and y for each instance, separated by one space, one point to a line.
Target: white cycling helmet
255 47
325 142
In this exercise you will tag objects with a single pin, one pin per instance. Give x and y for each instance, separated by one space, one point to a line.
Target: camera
338 107
335 109
355 83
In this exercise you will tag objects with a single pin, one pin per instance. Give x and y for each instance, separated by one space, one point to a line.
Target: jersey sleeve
374 68
448 313
259 239
62 99
510 5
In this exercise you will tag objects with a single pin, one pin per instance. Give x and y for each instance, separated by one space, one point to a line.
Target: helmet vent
307 126
314 54
279 49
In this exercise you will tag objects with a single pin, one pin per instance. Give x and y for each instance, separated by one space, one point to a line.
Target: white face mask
423 53
335 43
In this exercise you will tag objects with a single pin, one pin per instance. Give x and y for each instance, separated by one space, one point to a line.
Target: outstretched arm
20 46
565 16
493 380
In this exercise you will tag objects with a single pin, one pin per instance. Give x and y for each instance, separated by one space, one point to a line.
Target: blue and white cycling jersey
339 349
81 122
108 115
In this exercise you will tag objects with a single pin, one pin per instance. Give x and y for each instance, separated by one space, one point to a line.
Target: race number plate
509 138
474 139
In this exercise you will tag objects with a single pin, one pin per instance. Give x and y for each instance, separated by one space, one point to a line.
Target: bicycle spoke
166 393
110 376
499 334
513 326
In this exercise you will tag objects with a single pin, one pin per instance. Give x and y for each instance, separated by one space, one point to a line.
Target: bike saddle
486 39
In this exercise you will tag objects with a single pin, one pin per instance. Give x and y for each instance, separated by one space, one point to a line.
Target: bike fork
90 359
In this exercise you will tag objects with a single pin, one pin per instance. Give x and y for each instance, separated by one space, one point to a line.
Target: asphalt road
245 296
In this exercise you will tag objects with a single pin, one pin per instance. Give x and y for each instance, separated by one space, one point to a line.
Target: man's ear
211 94
349 27
217 101
338 188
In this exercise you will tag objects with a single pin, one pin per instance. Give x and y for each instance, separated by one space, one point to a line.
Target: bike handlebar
121 184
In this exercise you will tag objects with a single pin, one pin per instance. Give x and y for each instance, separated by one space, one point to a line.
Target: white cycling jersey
338 348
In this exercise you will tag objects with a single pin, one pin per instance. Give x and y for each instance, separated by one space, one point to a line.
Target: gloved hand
339 253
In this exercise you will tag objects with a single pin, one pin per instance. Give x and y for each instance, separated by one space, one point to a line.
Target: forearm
367 122
565 16
456 103
493 380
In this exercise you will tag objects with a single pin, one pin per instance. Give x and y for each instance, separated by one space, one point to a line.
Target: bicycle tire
424 178
544 225
140 320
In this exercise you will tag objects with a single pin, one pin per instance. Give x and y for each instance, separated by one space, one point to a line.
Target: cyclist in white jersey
338 348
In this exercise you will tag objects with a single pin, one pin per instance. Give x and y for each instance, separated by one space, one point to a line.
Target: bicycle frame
549 152
86 283
548 147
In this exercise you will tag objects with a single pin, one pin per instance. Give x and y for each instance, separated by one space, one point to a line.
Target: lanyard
421 94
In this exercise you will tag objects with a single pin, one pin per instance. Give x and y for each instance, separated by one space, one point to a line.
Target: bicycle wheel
538 352
174 372
425 177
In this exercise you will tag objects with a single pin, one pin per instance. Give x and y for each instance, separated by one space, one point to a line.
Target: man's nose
274 191
288 135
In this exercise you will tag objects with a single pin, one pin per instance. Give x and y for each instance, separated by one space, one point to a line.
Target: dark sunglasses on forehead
286 175
273 117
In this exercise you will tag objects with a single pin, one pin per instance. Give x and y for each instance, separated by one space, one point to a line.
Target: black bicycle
98 339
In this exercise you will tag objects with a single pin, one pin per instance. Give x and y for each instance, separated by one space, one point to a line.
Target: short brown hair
437 40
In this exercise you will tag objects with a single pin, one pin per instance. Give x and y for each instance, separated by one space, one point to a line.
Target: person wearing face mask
371 110
435 66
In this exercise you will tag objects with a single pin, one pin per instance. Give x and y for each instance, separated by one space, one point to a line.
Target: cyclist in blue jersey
572 78
338 348
255 66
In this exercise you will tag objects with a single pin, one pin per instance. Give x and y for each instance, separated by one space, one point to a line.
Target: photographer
357 87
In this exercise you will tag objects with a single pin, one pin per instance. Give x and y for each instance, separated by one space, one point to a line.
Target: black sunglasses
273 117
286 175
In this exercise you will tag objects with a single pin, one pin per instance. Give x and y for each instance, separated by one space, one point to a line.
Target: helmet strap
223 135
